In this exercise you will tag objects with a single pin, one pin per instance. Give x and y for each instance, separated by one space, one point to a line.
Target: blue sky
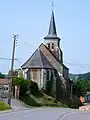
30 20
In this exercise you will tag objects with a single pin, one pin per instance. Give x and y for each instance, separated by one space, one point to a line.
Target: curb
6 111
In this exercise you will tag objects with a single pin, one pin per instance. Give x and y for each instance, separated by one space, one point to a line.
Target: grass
42 99
46 100
3 106
30 101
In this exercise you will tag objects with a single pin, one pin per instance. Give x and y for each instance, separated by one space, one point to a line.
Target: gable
37 60
57 65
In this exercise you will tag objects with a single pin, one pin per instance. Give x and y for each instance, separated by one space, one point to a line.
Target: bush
33 87
75 102
23 90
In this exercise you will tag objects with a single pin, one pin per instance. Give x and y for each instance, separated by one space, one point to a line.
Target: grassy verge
42 99
29 101
3 106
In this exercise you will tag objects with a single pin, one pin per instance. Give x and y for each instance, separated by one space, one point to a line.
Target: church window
49 45
52 46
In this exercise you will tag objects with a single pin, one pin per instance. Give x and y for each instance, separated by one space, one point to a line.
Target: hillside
42 100
85 76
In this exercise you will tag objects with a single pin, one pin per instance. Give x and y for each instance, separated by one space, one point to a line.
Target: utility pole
11 72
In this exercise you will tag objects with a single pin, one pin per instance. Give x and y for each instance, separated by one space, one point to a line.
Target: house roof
4 81
37 60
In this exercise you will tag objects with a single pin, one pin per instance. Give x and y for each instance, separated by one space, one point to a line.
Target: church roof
56 57
37 60
52 33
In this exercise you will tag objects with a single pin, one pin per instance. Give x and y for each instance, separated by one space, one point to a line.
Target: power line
19 61
69 63
3 58
26 42
78 65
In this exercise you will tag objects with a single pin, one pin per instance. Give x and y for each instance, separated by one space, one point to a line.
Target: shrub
33 87
75 102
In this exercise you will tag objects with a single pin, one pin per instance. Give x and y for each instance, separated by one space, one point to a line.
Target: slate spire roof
37 60
52 33
52 27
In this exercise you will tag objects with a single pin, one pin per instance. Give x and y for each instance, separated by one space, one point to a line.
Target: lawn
3 106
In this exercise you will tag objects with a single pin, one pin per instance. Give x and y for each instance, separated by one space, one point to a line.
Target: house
4 87
46 64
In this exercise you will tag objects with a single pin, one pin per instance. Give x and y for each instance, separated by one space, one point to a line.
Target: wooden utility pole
11 73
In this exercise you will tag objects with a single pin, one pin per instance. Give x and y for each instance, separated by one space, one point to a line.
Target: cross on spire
52 33
52 4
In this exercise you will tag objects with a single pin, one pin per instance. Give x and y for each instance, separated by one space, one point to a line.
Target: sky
30 20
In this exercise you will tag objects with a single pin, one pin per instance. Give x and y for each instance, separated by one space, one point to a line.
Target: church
45 66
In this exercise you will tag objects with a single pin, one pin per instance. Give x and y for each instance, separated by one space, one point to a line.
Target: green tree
26 86
2 75
23 83
81 87
19 81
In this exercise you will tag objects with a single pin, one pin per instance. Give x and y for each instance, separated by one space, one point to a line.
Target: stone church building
46 64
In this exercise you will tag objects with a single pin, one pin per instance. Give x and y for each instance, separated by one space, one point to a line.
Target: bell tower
52 41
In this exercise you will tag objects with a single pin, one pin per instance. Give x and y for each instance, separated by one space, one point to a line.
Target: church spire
52 33
52 28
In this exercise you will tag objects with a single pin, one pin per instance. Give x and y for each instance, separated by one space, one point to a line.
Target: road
46 114
15 104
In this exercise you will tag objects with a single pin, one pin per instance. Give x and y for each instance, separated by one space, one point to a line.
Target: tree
19 81
81 87
2 75
26 86
23 83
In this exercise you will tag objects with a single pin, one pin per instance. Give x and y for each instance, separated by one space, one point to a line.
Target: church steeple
52 33
52 28
52 41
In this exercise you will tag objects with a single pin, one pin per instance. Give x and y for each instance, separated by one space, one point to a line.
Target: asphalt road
15 104
46 114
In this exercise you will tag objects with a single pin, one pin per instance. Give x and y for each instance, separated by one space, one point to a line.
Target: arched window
52 46
49 45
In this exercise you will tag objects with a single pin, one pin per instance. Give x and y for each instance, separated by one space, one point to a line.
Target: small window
49 45
52 46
